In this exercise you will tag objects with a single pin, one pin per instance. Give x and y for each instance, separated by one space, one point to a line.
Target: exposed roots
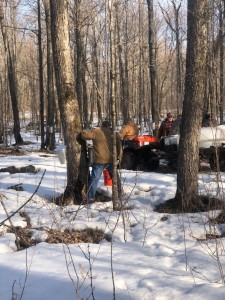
200 204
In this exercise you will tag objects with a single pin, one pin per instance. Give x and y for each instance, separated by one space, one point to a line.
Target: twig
12 226
9 217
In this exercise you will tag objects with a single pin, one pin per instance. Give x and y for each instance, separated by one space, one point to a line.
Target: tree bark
51 111
188 164
152 67
221 37
112 34
41 80
77 166
11 72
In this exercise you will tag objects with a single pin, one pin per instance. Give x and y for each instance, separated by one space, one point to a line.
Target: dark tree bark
152 67
77 166
188 164
11 72
50 131
176 30
221 38
96 81
80 66
123 84
41 80
112 34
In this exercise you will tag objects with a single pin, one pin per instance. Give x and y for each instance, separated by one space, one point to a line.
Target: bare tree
112 33
77 167
187 175
50 131
11 71
176 30
221 38
41 79
152 64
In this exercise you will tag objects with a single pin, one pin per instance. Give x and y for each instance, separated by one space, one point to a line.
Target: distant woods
149 54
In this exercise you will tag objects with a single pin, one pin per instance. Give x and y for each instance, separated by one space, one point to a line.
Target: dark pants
95 176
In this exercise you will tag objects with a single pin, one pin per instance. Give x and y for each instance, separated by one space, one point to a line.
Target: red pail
107 178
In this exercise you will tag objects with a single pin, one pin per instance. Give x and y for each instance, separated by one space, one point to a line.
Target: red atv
139 154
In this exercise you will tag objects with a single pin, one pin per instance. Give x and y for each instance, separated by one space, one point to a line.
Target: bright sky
150 258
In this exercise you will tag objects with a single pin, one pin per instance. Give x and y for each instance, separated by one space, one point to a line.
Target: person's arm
123 131
88 134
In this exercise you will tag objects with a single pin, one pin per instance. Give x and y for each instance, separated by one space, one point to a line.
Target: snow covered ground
152 256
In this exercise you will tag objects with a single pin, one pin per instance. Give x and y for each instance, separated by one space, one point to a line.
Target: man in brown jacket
129 131
103 155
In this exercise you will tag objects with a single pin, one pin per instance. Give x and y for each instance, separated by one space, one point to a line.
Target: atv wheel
128 161
153 163
148 161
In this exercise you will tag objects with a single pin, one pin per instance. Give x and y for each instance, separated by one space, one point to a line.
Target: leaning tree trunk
77 167
187 175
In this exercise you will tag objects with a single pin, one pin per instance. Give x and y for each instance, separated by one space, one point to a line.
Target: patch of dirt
88 235
99 197
220 219
46 152
14 152
24 236
201 204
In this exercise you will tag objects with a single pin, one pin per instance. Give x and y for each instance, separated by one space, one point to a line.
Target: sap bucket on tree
107 178
61 152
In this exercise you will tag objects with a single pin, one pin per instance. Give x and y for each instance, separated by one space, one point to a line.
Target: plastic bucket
61 153
107 178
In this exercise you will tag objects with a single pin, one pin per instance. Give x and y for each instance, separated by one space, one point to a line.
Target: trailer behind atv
211 146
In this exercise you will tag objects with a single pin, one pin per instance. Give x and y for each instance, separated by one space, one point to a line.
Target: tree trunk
112 33
41 81
188 164
152 67
221 37
80 66
11 65
50 131
77 166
